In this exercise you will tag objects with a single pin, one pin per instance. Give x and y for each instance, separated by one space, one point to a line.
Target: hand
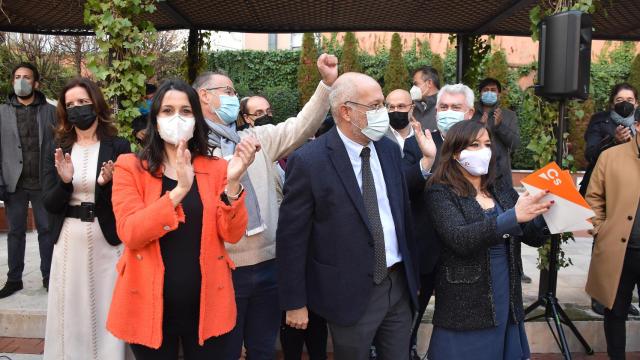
140 134
184 168
497 116
243 156
64 166
298 319
623 134
106 173
484 118
529 206
328 68
426 144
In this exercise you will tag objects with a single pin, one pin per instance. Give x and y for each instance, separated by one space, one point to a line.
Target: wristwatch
226 198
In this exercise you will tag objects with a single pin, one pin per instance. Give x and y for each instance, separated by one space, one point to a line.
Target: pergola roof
617 19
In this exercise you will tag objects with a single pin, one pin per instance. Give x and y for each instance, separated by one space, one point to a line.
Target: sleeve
280 140
137 223
455 233
596 140
55 193
231 219
293 235
508 130
596 193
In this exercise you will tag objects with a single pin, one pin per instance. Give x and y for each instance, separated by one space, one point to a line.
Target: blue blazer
324 246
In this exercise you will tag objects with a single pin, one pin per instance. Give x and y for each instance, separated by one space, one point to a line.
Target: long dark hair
65 134
152 154
449 172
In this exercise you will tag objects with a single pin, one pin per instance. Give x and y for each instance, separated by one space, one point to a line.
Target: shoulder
130 162
438 190
120 142
599 117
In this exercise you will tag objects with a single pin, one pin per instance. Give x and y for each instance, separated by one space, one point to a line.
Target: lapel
342 164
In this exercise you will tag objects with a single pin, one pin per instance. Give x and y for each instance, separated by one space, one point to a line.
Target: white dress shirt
390 239
399 138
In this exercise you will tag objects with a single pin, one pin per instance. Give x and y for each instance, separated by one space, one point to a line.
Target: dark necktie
371 205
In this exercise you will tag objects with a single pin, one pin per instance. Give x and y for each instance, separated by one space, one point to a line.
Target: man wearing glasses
399 105
254 279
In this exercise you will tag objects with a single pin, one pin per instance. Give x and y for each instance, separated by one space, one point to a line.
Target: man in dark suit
344 243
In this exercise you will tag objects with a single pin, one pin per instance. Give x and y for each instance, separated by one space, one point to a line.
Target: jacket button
166 228
20 161
220 287
629 217
506 236
623 240
221 257
139 257
370 275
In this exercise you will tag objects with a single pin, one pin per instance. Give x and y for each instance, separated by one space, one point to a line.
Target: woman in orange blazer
174 278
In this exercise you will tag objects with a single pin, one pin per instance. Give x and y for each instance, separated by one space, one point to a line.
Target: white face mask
377 124
475 162
416 93
173 129
446 119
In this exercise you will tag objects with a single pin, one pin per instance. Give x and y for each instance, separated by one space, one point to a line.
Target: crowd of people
225 230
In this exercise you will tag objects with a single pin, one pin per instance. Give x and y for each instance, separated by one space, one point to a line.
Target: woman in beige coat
614 194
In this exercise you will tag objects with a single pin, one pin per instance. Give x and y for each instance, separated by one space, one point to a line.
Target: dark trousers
191 350
16 208
259 313
386 323
616 317
427 285
315 337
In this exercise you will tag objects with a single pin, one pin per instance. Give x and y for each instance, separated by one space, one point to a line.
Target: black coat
463 285
56 194
426 237
324 245
600 135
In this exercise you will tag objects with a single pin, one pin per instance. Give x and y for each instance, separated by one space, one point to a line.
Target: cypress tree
396 75
350 59
634 72
308 75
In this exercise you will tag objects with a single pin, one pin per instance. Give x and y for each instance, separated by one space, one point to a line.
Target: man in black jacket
26 120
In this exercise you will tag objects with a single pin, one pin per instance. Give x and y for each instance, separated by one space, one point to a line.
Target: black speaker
564 57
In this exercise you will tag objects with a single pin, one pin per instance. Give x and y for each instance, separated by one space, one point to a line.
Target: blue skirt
507 341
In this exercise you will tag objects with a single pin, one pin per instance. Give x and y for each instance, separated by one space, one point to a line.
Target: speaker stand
553 312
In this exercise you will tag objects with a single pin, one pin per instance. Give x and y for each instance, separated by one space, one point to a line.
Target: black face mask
398 120
624 108
81 117
263 120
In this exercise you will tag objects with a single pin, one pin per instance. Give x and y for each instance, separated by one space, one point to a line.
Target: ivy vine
121 31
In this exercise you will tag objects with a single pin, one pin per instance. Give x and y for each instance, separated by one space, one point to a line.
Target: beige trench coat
613 193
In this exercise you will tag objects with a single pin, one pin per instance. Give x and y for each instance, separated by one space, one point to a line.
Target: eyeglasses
401 107
228 90
370 107
259 113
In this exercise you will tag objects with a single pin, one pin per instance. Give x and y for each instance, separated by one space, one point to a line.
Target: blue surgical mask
446 119
489 98
144 108
229 108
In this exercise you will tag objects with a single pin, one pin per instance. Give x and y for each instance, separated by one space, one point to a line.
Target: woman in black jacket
480 224
76 191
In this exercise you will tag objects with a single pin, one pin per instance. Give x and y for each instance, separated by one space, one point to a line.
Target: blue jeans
16 208
259 313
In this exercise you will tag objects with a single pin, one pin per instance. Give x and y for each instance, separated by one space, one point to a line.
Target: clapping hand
328 68
183 172
64 166
106 173
623 134
242 157
530 206
426 144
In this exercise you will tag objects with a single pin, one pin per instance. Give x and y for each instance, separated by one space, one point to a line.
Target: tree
76 48
438 64
308 75
634 73
350 60
396 75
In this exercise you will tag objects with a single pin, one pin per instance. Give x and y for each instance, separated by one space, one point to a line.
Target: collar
353 148
397 134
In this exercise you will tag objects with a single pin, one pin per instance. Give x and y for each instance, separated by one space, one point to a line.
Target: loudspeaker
564 57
